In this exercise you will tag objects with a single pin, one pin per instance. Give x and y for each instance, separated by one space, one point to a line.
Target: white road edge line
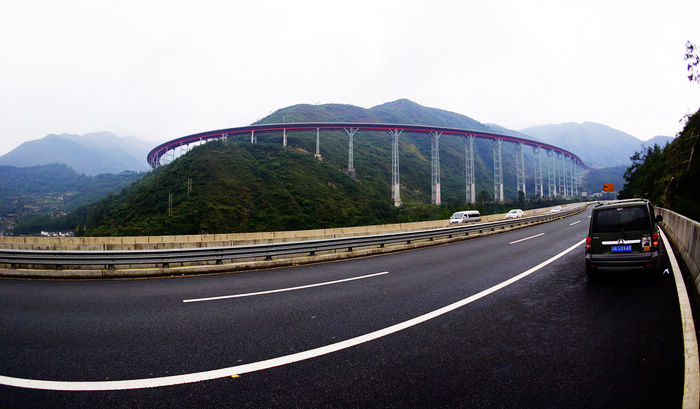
301 287
526 238
691 382
571 224
269 363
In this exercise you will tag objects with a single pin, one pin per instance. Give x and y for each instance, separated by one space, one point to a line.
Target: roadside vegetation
669 177
226 187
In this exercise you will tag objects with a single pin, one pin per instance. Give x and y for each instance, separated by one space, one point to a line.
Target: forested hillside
42 192
236 186
669 177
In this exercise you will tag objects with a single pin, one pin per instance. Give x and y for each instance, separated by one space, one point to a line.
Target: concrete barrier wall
685 234
221 240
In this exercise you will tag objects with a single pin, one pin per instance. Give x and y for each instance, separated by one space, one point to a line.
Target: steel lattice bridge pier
562 169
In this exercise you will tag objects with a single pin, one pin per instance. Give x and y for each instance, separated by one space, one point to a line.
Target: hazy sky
163 69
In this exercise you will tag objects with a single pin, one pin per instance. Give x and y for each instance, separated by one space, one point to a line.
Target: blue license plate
621 248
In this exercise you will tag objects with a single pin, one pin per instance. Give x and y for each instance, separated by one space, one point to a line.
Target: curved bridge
563 170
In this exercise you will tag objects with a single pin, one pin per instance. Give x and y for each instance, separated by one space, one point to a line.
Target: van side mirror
659 218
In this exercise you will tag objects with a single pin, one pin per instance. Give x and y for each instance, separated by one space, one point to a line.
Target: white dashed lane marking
527 238
281 290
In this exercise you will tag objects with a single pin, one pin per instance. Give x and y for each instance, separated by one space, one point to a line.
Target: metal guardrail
108 259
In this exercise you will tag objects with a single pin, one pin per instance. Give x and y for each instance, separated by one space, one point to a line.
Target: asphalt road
548 340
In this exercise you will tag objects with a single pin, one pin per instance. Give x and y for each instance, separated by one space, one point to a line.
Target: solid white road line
691 383
571 224
281 290
526 238
269 363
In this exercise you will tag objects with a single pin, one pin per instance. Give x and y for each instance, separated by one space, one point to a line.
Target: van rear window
621 219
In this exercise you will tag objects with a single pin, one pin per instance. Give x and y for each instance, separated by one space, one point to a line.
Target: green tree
693 60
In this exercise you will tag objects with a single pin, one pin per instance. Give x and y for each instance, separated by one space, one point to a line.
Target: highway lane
548 340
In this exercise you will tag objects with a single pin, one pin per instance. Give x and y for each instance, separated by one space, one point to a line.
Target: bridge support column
284 137
395 182
435 160
318 143
539 188
520 168
562 178
351 155
574 178
469 168
497 170
564 175
570 175
253 137
551 175
581 172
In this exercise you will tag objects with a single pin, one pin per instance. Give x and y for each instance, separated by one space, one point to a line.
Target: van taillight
655 240
588 244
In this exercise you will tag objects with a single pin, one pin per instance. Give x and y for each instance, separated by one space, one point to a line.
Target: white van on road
465 216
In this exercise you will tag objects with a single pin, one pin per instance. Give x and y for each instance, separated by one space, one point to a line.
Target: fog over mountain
91 154
598 145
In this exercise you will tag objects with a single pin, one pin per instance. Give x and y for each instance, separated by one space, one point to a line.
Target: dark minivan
623 235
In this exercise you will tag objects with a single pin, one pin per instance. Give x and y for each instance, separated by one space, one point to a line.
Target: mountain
660 140
596 144
414 146
505 131
234 186
92 154
402 111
